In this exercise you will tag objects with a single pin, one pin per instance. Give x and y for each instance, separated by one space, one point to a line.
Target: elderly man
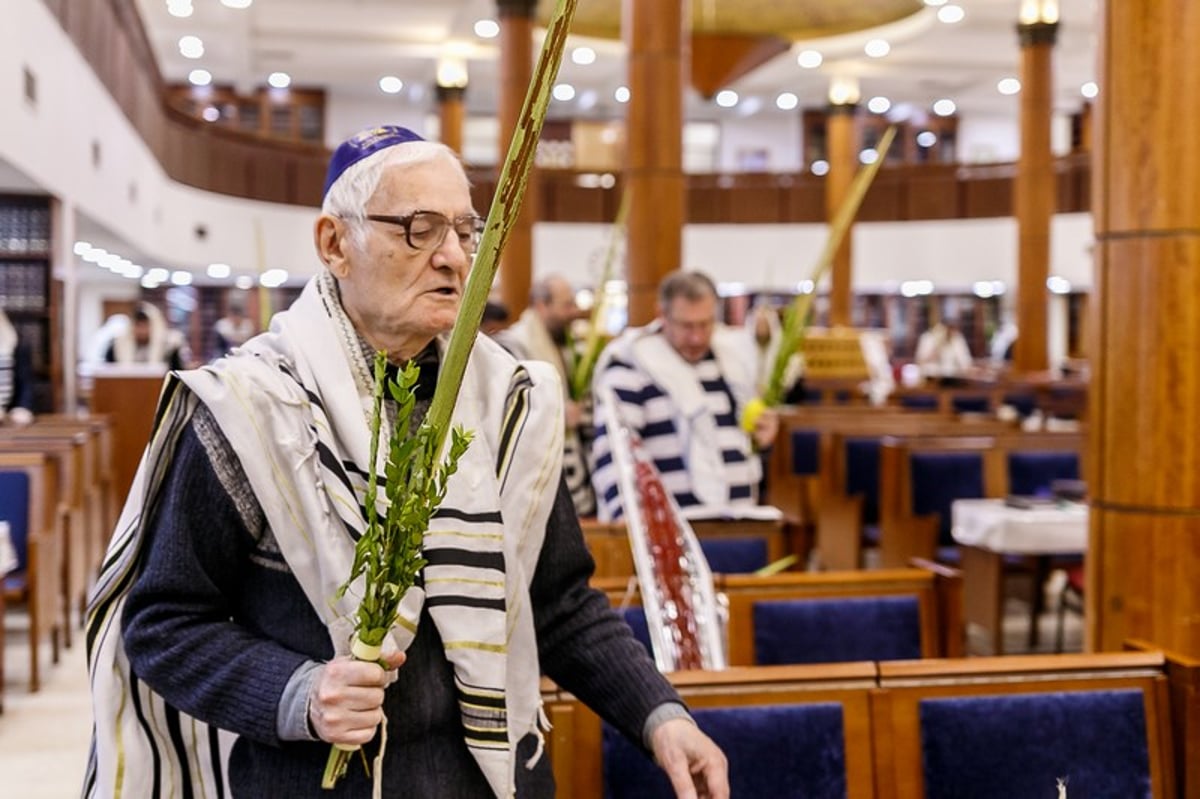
542 334
681 384
217 642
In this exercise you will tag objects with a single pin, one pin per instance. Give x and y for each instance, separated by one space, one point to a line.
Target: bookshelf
26 286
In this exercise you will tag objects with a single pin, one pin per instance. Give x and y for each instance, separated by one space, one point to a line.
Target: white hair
348 196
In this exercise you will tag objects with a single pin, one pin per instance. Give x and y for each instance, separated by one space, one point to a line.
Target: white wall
771 130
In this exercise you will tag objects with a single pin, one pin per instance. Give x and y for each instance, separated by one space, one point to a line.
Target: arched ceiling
790 19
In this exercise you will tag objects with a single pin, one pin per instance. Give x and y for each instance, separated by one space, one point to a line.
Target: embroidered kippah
363 144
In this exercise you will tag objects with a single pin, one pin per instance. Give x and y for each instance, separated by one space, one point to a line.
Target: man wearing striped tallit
542 334
681 384
216 637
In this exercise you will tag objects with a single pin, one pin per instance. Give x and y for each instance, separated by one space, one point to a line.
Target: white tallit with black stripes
295 404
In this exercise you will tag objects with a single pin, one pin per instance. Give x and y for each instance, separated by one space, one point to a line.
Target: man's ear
330 236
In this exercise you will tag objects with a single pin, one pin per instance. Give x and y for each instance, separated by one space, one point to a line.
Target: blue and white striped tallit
295 403
686 416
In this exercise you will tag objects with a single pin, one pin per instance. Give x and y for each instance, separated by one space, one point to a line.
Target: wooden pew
1183 676
40 590
906 535
99 478
821 498
67 457
938 590
574 743
609 542
896 710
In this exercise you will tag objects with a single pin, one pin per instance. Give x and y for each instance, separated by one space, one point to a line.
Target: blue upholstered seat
1031 473
1023 403
978 403
774 752
734 555
635 617
862 475
837 630
806 452
14 509
939 478
919 402
1001 747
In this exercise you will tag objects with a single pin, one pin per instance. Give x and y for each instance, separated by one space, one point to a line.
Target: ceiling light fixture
1039 12
944 107
927 138
951 14
564 92
583 56
787 101
1089 89
236 3
390 84
879 105
819 168
279 80
1008 86
877 48
191 47
200 77
180 8
487 29
727 98
809 59
621 95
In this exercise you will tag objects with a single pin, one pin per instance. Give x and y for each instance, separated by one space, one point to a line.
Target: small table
988 530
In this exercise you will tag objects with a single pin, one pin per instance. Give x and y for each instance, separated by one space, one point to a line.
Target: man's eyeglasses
426 230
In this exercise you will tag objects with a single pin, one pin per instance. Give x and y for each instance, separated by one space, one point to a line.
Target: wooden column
516 72
1034 196
842 141
1144 546
657 44
451 112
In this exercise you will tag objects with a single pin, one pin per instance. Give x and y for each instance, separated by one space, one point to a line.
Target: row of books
23 285
24 228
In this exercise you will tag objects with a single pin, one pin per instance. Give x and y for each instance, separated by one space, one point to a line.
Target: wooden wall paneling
806 200
988 197
930 192
884 200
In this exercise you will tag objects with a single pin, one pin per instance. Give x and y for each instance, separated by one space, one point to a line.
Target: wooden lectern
129 397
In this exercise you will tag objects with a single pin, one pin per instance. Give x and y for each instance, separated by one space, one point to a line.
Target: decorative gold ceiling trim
791 19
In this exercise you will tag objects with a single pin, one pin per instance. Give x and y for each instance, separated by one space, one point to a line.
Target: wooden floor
44 737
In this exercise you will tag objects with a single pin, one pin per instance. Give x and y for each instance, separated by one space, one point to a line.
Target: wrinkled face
400 297
688 326
559 310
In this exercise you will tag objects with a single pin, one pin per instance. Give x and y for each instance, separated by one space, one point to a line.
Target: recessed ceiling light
868 156
809 59
180 8
877 48
564 92
273 277
727 98
244 282
621 95
787 101
219 271
210 113
1089 89
487 29
1008 86
819 168
879 105
181 277
191 47
279 80
951 14
583 56
935 2
390 84
237 3
927 138
944 108
199 77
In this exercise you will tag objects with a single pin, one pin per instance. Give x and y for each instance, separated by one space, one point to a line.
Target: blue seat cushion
806 452
1024 403
971 403
774 752
836 630
1000 747
1032 473
919 402
939 478
635 617
862 475
14 509
734 555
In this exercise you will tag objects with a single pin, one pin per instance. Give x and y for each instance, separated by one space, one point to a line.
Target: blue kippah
362 144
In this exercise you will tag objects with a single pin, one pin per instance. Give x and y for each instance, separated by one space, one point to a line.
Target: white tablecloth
992 525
